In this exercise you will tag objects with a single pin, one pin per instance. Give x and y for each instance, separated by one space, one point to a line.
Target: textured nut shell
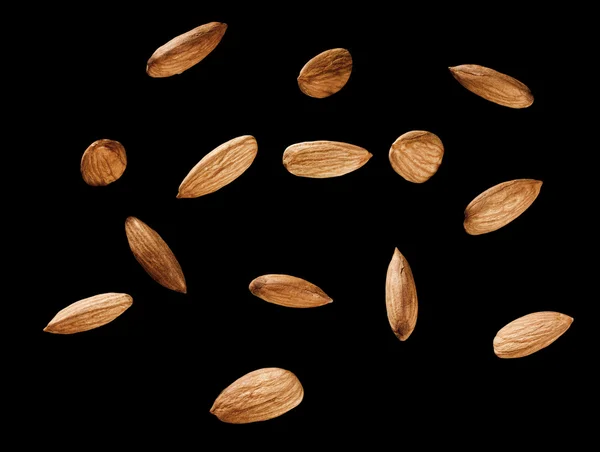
103 162
154 255
288 291
493 86
417 155
326 73
321 159
89 313
499 205
185 50
401 297
258 396
530 333
219 167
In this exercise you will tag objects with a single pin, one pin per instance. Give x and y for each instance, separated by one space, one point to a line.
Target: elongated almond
416 155
493 85
258 396
401 296
321 159
530 333
154 255
103 162
326 73
89 313
185 50
219 167
288 291
499 205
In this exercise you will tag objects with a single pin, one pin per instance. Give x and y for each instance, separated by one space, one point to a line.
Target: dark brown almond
103 162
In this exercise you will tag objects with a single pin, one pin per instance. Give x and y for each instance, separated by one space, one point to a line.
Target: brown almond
493 85
219 167
321 159
185 50
499 205
417 155
89 313
288 291
326 73
154 255
401 297
530 333
258 396
103 162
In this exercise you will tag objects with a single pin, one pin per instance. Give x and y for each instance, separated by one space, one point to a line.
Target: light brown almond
493 85
258 396
401 297
103 162
499 205
185 50
417 155
326 73
288 291
89 313
154 255
321 159
530 333
219 167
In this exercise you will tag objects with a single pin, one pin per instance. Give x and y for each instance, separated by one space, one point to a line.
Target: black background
152 374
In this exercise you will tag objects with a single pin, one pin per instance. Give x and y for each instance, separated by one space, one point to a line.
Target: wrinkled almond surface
219 167
103 162
530 333
154 255
417 155
185 50
499 205
493 85
326 73
89 313
258 396
401 297
288 291
321 159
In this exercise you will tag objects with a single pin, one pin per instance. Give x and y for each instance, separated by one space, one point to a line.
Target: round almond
417 155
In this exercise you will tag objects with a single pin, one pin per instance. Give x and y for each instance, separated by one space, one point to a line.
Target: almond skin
499 205
154 255
103 162
493 85
185 50
417 155
401 297
289 291
326 73
322 159
219 167
258 396
89 313
530 333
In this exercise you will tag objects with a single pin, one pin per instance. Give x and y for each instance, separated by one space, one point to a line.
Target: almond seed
103 162
288 291
401 296
258 396
416 155
326 73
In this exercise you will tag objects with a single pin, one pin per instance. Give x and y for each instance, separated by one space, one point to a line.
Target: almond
530 333
258 396
219 167
103 162
321 159
89 313
499 205
185 50
401 297
154 255
325 74
288 291
417 155
493 86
